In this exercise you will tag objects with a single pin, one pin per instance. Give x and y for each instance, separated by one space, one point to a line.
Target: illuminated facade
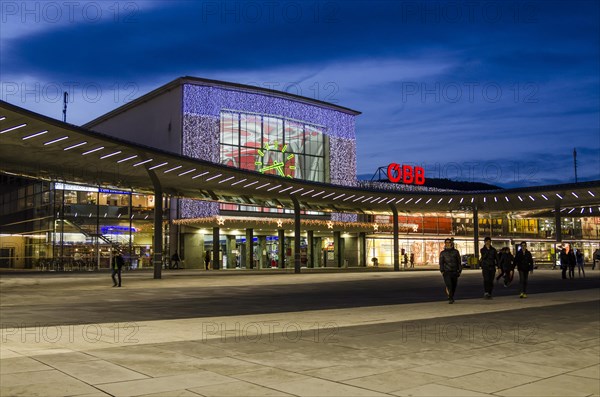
262 131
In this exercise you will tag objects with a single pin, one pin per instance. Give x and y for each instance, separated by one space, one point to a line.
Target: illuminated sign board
81 188
113 191
117 229
77 188
406 174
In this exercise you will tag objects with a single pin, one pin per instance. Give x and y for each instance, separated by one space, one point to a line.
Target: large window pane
294 137
229 129
230 156
314 141
250 132
272 131
272 145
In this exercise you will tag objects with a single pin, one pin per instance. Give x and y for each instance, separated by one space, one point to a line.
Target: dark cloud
544 56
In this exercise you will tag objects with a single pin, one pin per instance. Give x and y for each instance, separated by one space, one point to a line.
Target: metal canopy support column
362 244
249 248
130 249
396 243
157 243
476 232
558 224
310 237
216 248
337 248
281 247
296 235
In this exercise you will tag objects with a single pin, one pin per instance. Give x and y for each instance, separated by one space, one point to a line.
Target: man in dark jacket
489 260
117 265
450 267
567 260
524 262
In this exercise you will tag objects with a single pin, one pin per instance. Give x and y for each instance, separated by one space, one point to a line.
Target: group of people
407 261
569 259
451 267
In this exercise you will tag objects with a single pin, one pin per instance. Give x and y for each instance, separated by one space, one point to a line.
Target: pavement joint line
398 313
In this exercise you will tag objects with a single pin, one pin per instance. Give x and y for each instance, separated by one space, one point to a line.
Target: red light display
406 174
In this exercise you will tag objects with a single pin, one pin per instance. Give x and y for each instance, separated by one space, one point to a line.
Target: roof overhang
35 146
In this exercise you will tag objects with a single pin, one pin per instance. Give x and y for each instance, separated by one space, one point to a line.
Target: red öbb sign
406 174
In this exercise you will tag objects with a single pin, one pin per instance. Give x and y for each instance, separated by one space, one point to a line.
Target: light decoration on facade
202 106
307 224
344 217
329 225
220 220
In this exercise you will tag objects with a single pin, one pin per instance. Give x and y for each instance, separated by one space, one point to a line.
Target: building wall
202 106
156 122
16 246
339 126
193 250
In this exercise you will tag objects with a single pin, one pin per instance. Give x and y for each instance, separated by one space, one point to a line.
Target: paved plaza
268 333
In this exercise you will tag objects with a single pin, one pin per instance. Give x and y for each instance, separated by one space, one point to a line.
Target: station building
56 222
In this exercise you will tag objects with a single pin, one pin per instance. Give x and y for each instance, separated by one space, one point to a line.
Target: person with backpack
117 266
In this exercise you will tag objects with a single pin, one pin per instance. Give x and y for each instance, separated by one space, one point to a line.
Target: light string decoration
286 223
399 187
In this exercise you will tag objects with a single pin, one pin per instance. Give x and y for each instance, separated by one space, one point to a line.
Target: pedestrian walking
567 261
524 263
175 261
404 259
489 261
506 264
207 260
579 258
450 267
117 266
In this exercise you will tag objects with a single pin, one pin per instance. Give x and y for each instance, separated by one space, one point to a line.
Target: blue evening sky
491 91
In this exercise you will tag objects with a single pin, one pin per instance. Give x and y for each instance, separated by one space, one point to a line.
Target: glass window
229 129
272 145
272 131
294 137
230 155
314 141
250 131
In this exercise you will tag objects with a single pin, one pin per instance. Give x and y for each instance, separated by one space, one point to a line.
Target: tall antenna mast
65 101
575 162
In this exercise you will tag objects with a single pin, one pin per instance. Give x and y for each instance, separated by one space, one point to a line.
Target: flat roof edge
216 83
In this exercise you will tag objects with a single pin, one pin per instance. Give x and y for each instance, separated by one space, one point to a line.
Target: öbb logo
406 174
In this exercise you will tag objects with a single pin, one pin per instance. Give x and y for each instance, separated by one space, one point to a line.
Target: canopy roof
32 145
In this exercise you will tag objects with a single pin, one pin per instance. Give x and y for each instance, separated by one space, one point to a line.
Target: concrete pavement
360 334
